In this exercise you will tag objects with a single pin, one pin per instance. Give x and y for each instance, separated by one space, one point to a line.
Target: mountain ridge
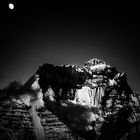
93 100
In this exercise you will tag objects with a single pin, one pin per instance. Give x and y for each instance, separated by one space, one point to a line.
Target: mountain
93 101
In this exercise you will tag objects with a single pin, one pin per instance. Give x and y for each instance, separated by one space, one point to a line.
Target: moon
11 6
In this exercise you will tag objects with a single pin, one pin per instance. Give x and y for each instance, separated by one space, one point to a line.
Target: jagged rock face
61 77
105 89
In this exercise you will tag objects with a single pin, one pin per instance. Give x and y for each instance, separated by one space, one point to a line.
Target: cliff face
93 101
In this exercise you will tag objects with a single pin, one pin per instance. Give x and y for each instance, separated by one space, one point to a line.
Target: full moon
11 6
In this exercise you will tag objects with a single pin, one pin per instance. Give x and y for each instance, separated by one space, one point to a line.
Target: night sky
35 32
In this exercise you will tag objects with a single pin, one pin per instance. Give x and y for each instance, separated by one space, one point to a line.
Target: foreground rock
16 124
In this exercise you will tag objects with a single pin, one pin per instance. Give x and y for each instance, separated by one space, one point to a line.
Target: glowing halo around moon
11 6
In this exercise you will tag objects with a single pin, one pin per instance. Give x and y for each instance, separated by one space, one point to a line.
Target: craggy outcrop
95 85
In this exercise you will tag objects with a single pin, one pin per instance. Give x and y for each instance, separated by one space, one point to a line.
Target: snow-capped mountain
95 100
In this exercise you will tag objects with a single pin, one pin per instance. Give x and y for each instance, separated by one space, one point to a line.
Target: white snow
98 67
112 82
39 131
89 97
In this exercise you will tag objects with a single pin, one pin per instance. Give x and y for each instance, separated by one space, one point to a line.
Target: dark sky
35 32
